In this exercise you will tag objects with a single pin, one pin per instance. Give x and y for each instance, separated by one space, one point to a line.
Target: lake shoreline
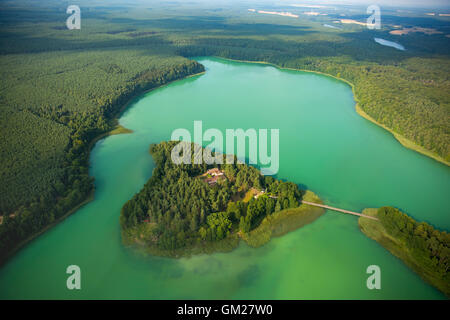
277 225
121 166
116 130
403 141
30 239
376 231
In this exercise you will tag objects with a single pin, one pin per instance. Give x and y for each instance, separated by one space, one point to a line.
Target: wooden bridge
339 210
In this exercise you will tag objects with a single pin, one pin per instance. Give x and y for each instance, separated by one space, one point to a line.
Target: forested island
421 247
187 209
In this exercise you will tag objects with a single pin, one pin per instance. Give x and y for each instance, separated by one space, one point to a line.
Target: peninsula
421 247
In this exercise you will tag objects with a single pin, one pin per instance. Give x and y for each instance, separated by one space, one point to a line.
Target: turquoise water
324 145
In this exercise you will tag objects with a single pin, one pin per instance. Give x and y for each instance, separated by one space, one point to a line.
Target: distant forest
61 89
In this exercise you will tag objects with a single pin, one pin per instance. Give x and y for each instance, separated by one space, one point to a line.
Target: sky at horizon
390 3
412 4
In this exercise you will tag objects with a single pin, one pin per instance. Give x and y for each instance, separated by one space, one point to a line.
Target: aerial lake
325 146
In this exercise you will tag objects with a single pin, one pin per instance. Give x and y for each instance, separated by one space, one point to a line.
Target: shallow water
324 145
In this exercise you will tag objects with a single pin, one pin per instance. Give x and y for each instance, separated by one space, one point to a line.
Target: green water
324 145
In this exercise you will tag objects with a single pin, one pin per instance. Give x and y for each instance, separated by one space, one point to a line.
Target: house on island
259 193
213 176
214 172
212 181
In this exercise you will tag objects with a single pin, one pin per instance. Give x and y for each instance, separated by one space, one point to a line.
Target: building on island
214 172
213 176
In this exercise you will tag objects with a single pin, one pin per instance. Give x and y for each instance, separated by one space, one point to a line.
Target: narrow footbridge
339 210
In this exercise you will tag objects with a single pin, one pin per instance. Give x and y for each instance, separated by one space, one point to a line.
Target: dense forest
178 208
61 89
52 108
422 247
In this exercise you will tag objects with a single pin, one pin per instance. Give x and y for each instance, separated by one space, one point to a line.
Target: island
421 247
187 209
